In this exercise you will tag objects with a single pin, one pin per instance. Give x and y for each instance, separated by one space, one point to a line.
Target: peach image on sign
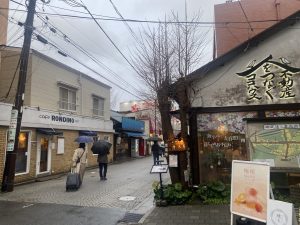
250 201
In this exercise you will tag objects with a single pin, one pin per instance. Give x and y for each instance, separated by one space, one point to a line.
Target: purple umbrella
84 139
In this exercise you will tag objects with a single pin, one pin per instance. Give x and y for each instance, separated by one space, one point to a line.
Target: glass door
43 154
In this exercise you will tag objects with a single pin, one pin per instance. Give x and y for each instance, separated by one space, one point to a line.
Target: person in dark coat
155 152
103 161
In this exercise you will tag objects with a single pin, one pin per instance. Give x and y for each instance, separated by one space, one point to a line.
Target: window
67 98
22 153
98 106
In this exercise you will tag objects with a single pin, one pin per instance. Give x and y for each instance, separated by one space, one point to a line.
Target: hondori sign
250 189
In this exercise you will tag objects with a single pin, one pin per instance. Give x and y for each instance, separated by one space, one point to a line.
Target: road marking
26 206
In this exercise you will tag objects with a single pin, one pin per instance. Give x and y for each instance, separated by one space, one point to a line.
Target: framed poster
250 183
277 142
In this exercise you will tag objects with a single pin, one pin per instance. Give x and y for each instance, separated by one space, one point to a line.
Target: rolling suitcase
73 181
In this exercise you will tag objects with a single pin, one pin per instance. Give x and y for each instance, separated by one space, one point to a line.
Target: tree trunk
164 106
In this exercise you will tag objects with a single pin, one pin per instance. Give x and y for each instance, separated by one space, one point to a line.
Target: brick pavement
188 215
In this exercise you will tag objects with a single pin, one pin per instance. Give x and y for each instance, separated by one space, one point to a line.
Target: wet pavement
127 195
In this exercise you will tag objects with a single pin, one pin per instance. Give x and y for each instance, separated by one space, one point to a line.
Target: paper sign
250 185
173 161
280 213
163 168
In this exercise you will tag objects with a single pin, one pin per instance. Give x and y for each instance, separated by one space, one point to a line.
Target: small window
98 106
67 98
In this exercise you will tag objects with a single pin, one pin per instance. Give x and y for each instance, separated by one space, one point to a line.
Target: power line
84 65
109 38
126 24
245 15
78 47
159 22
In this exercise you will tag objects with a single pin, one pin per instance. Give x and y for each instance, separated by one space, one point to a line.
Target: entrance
43 154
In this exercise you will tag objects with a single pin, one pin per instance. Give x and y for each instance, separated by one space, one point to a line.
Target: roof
220 61
51 60
116 116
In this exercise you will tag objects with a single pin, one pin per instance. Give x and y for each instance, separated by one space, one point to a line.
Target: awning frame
48 131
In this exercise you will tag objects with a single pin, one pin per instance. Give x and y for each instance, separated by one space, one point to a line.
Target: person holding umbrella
79 161
101 148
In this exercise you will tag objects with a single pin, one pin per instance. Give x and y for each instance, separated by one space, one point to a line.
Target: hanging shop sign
250 183
270 79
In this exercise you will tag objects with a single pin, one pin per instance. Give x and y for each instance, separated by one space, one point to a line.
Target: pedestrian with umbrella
101 147
79 159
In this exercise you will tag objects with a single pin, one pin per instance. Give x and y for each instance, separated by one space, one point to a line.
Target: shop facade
129 136
246 106
47 141
60 103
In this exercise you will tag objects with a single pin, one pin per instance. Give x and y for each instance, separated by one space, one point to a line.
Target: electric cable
161 22
78 47
111 41
91 69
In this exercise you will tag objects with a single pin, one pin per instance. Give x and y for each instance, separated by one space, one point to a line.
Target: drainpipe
80 85
277 9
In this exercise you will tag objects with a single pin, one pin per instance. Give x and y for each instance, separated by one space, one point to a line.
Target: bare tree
164 58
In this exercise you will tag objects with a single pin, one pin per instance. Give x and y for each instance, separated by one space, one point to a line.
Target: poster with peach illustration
250 189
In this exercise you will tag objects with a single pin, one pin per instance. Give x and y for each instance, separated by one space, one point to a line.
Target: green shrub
215 192
174 194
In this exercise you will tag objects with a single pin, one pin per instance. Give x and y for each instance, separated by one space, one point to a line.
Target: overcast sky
89 36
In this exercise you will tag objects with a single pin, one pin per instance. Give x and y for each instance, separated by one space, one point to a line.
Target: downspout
277 9
80 85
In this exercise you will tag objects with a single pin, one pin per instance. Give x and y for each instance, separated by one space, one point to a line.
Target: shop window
22 160
221 139
98 106
67 98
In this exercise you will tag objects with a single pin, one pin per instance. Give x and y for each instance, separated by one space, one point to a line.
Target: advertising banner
250 189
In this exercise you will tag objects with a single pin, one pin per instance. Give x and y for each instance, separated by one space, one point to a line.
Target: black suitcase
73 181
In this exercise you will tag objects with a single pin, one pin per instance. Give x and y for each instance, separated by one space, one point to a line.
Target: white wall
223 87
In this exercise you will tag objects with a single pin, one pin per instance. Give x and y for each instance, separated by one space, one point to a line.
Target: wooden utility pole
17 111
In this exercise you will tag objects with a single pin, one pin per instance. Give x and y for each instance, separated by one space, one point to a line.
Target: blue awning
48 131
88 133
134 134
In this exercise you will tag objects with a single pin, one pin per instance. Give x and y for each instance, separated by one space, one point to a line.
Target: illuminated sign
270 79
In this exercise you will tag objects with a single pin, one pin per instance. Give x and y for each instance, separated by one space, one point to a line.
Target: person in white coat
79 161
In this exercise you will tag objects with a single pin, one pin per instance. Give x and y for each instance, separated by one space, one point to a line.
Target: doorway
43 154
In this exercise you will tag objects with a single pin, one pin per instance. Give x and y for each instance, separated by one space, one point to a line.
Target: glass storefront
221 139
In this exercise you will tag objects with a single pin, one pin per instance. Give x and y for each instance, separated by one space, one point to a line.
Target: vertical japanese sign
250 183
12 130
270 79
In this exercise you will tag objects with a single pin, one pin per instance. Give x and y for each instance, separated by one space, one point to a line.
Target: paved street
130 181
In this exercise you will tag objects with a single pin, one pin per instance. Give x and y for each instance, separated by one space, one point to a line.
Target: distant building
3 21
60 104
146 110
230 35
130 136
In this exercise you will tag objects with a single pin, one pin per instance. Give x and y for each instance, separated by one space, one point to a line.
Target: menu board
250 183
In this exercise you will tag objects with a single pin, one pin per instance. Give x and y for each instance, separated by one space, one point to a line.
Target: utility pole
17 111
